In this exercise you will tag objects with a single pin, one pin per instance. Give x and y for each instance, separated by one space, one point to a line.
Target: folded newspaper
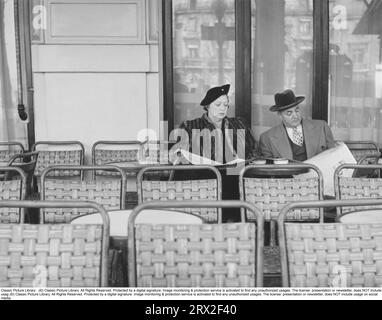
328 161
196 159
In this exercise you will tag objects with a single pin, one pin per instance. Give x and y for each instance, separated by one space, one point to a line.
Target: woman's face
218 109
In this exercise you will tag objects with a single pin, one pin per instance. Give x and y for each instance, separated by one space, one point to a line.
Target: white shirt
290 131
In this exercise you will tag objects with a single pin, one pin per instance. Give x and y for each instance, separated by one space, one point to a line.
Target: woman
222 139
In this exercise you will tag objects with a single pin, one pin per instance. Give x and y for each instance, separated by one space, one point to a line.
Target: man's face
291 117
218 108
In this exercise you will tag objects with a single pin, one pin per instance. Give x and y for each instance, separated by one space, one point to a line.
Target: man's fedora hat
214 93
285 100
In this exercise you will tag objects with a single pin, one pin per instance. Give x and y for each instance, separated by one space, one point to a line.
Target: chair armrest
28 156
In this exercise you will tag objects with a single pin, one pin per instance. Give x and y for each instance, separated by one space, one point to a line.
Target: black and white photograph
218 150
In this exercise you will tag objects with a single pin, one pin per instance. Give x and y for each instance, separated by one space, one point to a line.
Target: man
295 138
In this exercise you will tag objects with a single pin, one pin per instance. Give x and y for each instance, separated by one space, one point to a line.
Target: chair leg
272 237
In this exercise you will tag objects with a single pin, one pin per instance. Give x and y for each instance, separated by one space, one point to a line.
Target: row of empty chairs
196 255
73 153
270 200
107 151
269 194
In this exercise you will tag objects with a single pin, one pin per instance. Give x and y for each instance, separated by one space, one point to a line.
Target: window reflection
355 62
282 56
203 53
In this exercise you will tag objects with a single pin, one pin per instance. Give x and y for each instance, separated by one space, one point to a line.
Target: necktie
297 137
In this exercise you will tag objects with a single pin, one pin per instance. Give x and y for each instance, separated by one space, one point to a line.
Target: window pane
11 127
203 53
355 70
282 56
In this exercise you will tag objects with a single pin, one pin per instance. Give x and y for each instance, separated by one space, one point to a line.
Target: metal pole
18 53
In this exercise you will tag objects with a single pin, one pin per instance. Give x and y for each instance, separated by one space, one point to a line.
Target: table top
119 219
239 164
133 165
362 216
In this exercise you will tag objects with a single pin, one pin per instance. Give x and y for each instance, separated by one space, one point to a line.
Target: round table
362 216
119 219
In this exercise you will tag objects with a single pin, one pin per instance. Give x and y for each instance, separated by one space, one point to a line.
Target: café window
355 98
203 42
328 51
282 57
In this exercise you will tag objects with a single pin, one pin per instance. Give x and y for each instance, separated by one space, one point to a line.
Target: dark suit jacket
318 137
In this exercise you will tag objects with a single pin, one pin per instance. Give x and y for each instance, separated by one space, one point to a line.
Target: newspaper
328 161
198 160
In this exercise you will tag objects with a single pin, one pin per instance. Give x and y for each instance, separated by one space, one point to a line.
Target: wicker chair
356 187
199 255
180 190
156 151
110 194
27 162
12 188
330 254
53 153
364 151
9 149
272 194
54 255
104 152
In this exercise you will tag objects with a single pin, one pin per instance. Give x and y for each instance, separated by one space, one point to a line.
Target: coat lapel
281 142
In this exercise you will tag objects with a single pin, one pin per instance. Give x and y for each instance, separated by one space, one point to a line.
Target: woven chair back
198 255
156 151
360 149
14 189
271 194
71 153
357 187
54 255
108 193
181 190
9 149
330 254
104 152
